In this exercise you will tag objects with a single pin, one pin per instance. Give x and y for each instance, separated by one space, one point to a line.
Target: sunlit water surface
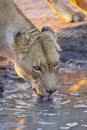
22 110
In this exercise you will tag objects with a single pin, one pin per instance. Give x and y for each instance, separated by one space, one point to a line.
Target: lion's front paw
78 16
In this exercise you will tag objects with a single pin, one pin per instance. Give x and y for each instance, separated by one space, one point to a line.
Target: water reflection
21 122
74 81
78 85
22 110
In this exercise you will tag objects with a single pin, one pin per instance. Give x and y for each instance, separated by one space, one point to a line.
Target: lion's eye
56 65
36 68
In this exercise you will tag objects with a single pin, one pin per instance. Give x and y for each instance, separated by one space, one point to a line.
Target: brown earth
41 14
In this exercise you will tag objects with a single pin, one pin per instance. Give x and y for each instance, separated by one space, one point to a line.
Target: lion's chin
46 98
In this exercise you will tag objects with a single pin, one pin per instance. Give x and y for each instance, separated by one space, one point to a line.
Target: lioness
67 11
34 53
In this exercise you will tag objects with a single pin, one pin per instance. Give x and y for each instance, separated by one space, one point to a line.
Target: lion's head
37 59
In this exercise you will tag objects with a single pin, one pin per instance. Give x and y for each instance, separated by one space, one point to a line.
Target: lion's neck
12 22
10 13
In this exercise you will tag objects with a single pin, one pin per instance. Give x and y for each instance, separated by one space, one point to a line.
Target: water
22 110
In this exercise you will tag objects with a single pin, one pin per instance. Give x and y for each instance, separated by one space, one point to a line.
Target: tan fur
34 53
66 9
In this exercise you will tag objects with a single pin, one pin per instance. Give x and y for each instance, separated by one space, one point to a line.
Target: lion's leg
81 4
66 11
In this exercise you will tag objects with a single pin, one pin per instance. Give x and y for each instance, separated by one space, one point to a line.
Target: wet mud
73 41
20 107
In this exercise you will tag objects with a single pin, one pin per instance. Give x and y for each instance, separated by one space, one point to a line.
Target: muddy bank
73 41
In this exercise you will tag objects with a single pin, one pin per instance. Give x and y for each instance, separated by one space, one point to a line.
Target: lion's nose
50 91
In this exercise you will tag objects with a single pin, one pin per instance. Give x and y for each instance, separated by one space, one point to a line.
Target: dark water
22 110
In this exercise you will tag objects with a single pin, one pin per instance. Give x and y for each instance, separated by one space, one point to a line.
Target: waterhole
20 109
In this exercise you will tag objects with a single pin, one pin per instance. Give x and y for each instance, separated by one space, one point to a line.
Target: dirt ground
42 15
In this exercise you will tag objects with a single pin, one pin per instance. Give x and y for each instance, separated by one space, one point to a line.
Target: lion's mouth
46 98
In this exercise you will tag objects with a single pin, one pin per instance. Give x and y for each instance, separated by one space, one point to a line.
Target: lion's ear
47 30
17 38
21 39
